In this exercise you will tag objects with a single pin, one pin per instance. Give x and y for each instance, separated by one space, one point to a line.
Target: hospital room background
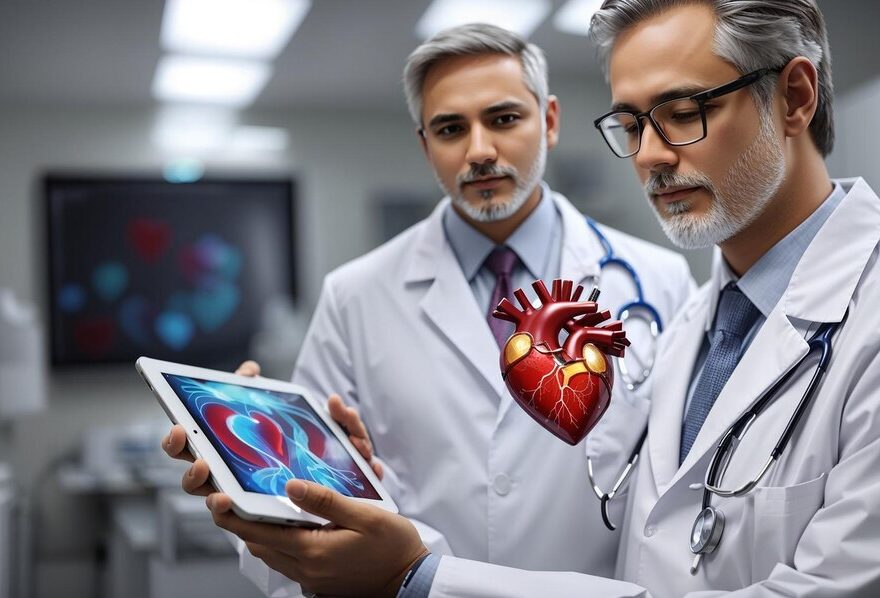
315 163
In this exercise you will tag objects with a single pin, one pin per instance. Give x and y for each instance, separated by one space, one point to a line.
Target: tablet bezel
253 506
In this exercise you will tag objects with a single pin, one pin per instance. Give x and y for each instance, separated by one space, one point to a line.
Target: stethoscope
638 308
709 524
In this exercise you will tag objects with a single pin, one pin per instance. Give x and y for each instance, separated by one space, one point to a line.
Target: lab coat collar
676 354
820 290
450 303
581 248
826 277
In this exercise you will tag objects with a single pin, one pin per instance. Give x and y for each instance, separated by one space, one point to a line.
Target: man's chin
485 210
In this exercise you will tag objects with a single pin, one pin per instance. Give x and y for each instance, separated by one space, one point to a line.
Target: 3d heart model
565 387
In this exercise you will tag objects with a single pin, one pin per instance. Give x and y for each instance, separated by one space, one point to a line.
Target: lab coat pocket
781 515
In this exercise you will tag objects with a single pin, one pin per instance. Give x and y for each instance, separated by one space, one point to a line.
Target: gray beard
748 187
523 187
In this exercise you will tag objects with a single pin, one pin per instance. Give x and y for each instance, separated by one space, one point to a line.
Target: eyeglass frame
700 98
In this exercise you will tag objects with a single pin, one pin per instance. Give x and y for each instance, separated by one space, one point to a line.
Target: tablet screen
267 437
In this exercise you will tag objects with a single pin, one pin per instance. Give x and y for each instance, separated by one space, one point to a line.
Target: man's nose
481 146
654 153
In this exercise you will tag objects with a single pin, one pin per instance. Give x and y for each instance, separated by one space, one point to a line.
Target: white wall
857 149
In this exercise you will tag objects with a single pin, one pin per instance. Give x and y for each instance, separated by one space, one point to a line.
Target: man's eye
448 130
686 116
506 119
631 130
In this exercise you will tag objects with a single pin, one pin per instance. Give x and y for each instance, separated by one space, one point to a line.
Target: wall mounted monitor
179 271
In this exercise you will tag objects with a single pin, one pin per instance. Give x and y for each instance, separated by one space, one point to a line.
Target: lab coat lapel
579 261
450 304
776 348
839 252
672 374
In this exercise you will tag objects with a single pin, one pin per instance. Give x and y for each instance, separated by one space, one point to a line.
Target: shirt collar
530 241
768 278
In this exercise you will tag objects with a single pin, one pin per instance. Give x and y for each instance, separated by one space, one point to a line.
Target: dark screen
175 271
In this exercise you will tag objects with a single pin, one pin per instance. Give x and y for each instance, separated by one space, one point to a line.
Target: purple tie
500 263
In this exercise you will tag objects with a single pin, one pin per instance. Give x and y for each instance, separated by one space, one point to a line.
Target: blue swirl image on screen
268 437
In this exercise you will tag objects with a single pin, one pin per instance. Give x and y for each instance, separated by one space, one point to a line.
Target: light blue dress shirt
537 243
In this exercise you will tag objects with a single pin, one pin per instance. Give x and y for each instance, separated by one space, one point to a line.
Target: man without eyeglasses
404 332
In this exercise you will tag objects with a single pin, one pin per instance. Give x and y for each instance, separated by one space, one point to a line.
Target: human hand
366 551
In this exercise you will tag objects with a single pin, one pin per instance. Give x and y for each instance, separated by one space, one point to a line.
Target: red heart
150 238
251 436
566 388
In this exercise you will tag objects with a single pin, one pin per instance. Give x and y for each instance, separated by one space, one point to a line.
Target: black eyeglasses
679 121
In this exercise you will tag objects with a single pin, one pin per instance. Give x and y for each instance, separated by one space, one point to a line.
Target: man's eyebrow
503 106
442 119
670 94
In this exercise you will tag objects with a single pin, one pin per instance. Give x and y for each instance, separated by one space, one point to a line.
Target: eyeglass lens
680 122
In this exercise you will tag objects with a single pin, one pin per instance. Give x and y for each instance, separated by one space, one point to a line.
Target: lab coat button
650 531
501 484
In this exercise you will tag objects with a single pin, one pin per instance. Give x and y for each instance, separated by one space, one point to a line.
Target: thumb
323 502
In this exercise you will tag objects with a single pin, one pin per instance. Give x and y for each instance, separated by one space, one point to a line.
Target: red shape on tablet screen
252 437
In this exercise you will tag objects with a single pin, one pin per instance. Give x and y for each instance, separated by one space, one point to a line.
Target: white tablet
256 434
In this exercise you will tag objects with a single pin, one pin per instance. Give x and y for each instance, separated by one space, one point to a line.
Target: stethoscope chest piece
707 530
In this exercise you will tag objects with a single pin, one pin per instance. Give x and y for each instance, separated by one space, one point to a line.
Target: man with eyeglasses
759 473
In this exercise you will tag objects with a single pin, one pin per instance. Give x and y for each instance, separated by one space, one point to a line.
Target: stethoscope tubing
820 341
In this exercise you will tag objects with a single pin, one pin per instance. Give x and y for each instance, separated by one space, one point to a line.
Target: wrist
405 575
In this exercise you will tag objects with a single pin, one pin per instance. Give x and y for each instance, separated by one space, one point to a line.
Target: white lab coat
812 527
399 333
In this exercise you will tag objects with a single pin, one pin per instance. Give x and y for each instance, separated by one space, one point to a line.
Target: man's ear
551 119
420 133
799 85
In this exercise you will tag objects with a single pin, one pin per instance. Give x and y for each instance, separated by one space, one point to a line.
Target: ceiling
347 52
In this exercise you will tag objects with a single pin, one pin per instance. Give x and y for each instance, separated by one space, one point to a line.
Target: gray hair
472 40
750 34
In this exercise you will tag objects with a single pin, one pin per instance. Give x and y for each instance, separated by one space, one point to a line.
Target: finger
363 446
174 444
323 502
195 480
248 368
377 469
277 537
349 419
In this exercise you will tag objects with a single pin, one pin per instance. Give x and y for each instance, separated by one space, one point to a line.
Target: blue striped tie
735 317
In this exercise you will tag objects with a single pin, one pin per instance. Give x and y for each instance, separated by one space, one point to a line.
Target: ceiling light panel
256 29
234 83
574 17
193 129
520 16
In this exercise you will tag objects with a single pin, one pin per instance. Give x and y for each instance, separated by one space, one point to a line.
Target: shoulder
379 268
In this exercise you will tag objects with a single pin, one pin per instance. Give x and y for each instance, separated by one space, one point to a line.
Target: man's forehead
672 49
473 83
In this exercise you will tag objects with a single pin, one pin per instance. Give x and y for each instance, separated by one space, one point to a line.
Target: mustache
663 180
489 169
